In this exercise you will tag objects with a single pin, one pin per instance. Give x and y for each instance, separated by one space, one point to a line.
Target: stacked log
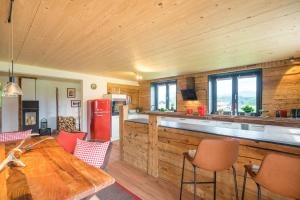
67 124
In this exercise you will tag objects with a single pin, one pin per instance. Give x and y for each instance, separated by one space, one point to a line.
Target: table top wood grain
50 174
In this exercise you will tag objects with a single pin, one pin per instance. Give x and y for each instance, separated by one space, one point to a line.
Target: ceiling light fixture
11 89
292 59
138 77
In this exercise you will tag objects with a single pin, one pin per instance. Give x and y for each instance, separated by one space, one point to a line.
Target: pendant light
11 89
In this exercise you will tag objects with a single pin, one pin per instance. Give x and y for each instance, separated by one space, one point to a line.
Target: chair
278 173
212 155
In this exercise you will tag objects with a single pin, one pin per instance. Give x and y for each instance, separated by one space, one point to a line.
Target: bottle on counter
201 110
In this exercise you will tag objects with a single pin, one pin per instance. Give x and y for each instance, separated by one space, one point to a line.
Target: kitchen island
156 145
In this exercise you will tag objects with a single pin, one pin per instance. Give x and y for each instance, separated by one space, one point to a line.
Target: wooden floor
138 182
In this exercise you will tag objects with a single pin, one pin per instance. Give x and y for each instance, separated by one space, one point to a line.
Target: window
231 92
163 95
224 95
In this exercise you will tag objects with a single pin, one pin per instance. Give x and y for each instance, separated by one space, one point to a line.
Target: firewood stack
67 124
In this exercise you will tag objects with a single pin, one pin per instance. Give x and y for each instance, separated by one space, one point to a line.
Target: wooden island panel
171 143
135 145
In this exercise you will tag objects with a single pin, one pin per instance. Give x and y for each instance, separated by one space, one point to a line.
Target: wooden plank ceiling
155 38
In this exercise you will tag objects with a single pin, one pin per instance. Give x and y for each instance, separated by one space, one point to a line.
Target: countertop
284 139
288 122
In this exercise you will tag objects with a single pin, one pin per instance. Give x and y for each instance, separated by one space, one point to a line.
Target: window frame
155 86
235 75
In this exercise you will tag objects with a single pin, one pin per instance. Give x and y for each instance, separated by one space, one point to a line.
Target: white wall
46 95
10 109
86 80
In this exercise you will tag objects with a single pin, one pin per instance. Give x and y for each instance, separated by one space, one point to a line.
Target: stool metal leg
182 176
244 184
235 183
258 192
215 185
195 182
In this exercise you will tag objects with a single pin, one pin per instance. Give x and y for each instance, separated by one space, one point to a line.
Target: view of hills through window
246 92
224 94
162 96
246 87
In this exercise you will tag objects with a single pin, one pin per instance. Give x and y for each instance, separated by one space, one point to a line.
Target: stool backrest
216 155
280 174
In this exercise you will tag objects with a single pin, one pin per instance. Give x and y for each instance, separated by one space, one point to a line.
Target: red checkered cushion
93 153
12 136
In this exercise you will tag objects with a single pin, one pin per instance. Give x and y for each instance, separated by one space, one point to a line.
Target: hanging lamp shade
11 89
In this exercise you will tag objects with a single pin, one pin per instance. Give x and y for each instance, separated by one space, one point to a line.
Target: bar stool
278 173
212 155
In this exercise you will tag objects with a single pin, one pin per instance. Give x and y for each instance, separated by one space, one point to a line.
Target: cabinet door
101 127
115 135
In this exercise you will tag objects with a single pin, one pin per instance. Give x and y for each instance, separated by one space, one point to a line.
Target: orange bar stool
212 155
278 173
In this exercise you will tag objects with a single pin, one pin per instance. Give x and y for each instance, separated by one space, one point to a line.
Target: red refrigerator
99 119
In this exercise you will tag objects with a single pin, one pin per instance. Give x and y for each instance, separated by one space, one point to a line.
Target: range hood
189 94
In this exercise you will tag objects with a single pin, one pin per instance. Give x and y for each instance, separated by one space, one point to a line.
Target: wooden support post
123 113
57 106
153 145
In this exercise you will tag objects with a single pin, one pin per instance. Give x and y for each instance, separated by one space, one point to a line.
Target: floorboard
138 182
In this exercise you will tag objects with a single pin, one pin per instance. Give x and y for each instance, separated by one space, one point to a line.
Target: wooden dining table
50 173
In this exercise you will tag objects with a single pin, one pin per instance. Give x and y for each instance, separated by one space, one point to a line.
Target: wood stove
30 115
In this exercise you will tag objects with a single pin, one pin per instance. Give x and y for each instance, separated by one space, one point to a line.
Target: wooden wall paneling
153 145
144 95
281 83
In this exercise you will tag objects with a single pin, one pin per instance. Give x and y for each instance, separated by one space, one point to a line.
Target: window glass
246 92
162 96
224 94
236 92
153 107
172 96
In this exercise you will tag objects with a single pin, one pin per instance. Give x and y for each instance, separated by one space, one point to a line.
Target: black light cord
10 11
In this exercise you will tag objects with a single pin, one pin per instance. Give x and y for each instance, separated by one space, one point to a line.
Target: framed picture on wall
71 92
75 103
